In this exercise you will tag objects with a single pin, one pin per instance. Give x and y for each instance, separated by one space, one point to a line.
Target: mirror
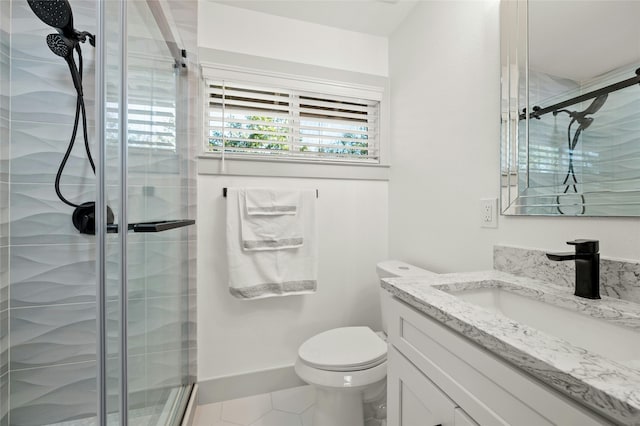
570 108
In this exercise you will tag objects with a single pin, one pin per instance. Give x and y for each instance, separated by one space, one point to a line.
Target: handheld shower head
60 45
58 14
581 116
63 47
55 13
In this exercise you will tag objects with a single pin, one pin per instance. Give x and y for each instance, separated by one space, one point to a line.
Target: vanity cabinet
437 376
416 400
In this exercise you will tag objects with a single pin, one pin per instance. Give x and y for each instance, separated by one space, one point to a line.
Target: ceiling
376 17
581 40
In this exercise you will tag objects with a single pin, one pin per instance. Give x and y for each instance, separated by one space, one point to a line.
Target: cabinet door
413 399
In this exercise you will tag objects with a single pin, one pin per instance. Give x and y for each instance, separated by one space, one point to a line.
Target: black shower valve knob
84 218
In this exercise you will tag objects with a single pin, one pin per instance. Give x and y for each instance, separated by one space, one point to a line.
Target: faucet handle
585 246
559 257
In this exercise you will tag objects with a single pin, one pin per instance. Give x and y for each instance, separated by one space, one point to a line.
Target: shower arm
538 111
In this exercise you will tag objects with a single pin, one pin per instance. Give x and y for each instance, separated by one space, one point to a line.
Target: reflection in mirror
570 108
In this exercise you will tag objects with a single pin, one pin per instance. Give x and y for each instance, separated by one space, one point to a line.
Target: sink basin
593 334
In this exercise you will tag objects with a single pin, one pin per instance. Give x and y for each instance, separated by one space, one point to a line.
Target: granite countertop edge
609 388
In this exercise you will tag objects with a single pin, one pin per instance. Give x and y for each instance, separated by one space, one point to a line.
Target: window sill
210 165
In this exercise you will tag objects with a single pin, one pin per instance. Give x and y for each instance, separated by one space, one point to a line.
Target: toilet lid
344 349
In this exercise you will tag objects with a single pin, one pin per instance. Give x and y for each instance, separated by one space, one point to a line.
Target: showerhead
63 47
60 45
55 13
581 116
584 122
596 104
58 14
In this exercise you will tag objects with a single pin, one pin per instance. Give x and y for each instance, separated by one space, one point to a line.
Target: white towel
268 201
268 273
269 219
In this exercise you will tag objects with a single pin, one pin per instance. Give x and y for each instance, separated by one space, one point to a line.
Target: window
250 119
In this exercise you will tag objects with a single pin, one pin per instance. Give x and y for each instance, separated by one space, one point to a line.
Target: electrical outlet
489 212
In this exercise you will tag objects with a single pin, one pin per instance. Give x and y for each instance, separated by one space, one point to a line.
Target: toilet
348 365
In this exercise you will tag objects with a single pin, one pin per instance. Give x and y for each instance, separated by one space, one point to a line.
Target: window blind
249 119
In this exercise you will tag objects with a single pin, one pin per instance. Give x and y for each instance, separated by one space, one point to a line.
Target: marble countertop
606 386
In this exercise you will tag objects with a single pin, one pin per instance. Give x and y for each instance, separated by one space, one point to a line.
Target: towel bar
224 192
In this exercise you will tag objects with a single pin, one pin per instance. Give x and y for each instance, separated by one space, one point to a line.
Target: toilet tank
395 268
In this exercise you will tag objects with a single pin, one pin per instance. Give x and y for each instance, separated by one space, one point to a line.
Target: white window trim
246 165
293 81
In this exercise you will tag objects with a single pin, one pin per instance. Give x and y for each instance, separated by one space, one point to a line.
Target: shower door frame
100 212
161 13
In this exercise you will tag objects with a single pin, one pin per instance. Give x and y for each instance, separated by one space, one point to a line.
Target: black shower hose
571 174
80 110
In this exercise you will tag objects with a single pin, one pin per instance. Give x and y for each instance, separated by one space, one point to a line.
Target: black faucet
587 267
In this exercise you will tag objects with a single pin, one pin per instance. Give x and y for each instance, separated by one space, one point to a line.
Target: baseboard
248 384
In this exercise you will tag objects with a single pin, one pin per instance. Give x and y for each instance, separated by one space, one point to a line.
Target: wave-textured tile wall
5 66
52 309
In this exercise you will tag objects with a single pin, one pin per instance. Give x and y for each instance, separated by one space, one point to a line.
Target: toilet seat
345 349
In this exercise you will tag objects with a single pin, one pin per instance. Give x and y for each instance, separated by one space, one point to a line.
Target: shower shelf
158 226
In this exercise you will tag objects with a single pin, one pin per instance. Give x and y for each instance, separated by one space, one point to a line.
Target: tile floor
289 407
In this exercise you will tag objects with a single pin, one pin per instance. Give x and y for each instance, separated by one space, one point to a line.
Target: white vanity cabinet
415 401
437 376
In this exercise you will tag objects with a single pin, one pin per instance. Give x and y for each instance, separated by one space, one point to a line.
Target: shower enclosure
99 329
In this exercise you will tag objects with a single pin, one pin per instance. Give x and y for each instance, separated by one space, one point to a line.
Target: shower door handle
157 226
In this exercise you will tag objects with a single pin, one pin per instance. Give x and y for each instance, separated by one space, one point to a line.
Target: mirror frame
513 70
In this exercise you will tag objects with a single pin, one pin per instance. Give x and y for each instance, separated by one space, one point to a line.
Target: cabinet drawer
413 400
489 389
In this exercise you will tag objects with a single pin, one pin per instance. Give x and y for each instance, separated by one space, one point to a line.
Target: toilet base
340 394
338 408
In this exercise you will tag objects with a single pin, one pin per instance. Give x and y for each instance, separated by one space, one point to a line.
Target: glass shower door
160 339
149 253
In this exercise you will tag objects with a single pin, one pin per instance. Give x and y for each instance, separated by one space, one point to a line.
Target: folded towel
267 273
267 201
268 219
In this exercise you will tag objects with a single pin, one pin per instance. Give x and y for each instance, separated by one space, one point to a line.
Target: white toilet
346 364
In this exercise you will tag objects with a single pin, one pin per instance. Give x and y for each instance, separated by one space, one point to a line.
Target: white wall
254 33
238 336
445 76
